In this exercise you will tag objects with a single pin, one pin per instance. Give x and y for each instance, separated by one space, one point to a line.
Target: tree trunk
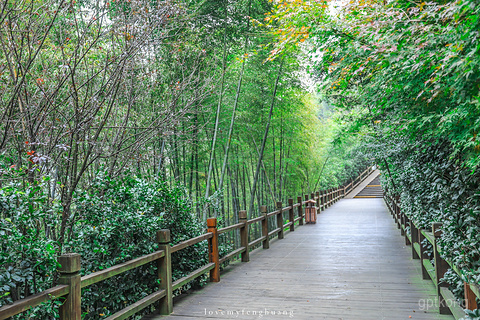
252 196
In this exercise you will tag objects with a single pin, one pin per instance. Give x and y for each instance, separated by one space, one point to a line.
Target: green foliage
114 221
27 254
117 221
434 188
472 314
455 284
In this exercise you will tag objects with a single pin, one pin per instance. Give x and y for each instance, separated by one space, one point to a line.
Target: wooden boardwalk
352 264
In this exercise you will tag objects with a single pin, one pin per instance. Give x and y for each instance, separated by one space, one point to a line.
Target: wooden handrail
257 219
229 228
429 236
120 268
255 242
275 231
273 213
232 254
193 275
191 242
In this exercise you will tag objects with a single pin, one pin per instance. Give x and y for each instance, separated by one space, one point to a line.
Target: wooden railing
447 302
71 283
356 182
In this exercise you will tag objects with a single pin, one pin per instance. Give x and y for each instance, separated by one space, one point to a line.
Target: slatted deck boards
351 265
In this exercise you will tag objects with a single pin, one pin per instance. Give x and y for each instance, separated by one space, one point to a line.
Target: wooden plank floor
352 264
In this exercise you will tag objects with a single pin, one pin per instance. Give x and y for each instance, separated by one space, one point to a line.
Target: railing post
402 223
423 255
470 297
213 249
325 199
300 211
441 266
317 194
397 212
392 208
322 201
389 203
280 220
242 218
291 214
164 271
399 218
397 215
70 276
266 241
414 235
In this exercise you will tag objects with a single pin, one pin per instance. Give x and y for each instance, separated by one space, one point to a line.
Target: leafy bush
114 221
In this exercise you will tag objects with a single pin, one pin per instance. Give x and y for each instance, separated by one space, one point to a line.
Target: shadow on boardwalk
352 264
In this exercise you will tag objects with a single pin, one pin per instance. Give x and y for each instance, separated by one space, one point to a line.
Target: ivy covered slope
405 76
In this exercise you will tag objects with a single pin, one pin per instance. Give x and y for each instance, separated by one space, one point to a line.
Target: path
352 264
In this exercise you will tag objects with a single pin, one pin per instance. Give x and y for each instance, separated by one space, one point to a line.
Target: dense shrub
114 221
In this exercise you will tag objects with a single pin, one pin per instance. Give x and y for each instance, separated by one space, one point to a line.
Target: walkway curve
351 265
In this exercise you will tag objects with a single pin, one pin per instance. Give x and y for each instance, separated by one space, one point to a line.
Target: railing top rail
257 219
120 268
191 242
273 213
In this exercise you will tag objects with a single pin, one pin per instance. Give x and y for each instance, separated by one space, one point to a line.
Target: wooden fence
71 283
414 236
